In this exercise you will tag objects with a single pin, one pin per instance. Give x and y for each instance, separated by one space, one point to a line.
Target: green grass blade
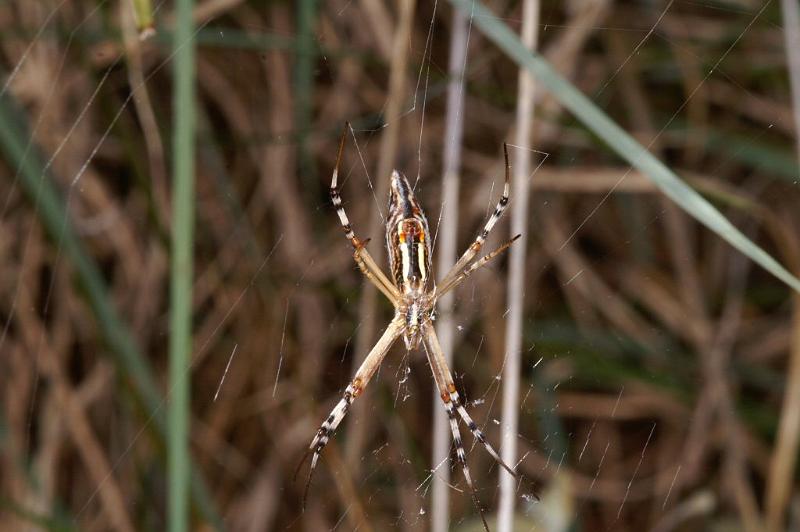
51 209
52 212
621 142
180 337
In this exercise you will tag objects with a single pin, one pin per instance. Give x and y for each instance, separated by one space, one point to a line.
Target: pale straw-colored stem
447 249
516 279
368 307
784 456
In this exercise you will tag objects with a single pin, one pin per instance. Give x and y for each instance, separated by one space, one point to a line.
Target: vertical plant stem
448 236
784 456
791 32
304 83
180 339
516 278
51 210
147 116
368 307
620 141
397 93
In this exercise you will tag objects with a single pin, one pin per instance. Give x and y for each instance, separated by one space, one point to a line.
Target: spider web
578 460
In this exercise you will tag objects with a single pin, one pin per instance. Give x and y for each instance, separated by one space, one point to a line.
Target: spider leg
365 372
457 280
365 262
479 435
373 272
437 357
462 459
475 247
447 390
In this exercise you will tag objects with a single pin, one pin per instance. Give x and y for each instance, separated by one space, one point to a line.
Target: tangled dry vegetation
659 365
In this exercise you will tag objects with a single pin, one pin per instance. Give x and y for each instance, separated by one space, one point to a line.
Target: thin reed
181 268
658 363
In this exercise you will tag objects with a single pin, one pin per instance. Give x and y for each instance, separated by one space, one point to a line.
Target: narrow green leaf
621 142
51 209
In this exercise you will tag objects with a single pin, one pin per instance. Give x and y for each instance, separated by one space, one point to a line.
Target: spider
409 247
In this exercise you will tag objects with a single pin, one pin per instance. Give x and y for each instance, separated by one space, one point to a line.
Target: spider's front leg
365 262
476 246
478 264
362 377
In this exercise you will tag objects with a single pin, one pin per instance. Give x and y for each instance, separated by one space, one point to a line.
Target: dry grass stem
647 373
447 242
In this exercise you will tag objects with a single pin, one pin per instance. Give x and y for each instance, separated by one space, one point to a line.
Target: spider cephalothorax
410 292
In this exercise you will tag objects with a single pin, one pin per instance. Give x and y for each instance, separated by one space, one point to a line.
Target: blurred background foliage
661 369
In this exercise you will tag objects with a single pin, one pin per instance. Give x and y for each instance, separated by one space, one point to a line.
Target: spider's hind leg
461 455
326 430
479 435
365 372
447 391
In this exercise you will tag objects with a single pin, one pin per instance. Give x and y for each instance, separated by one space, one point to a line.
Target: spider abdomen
407 238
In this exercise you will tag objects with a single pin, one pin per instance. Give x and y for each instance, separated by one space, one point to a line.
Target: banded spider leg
449 281
362 377
452 403
365 262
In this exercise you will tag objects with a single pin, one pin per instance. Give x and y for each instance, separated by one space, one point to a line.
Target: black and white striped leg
336 199
478 264
362 257
461 455
324 433
475 247
479 435
362 377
